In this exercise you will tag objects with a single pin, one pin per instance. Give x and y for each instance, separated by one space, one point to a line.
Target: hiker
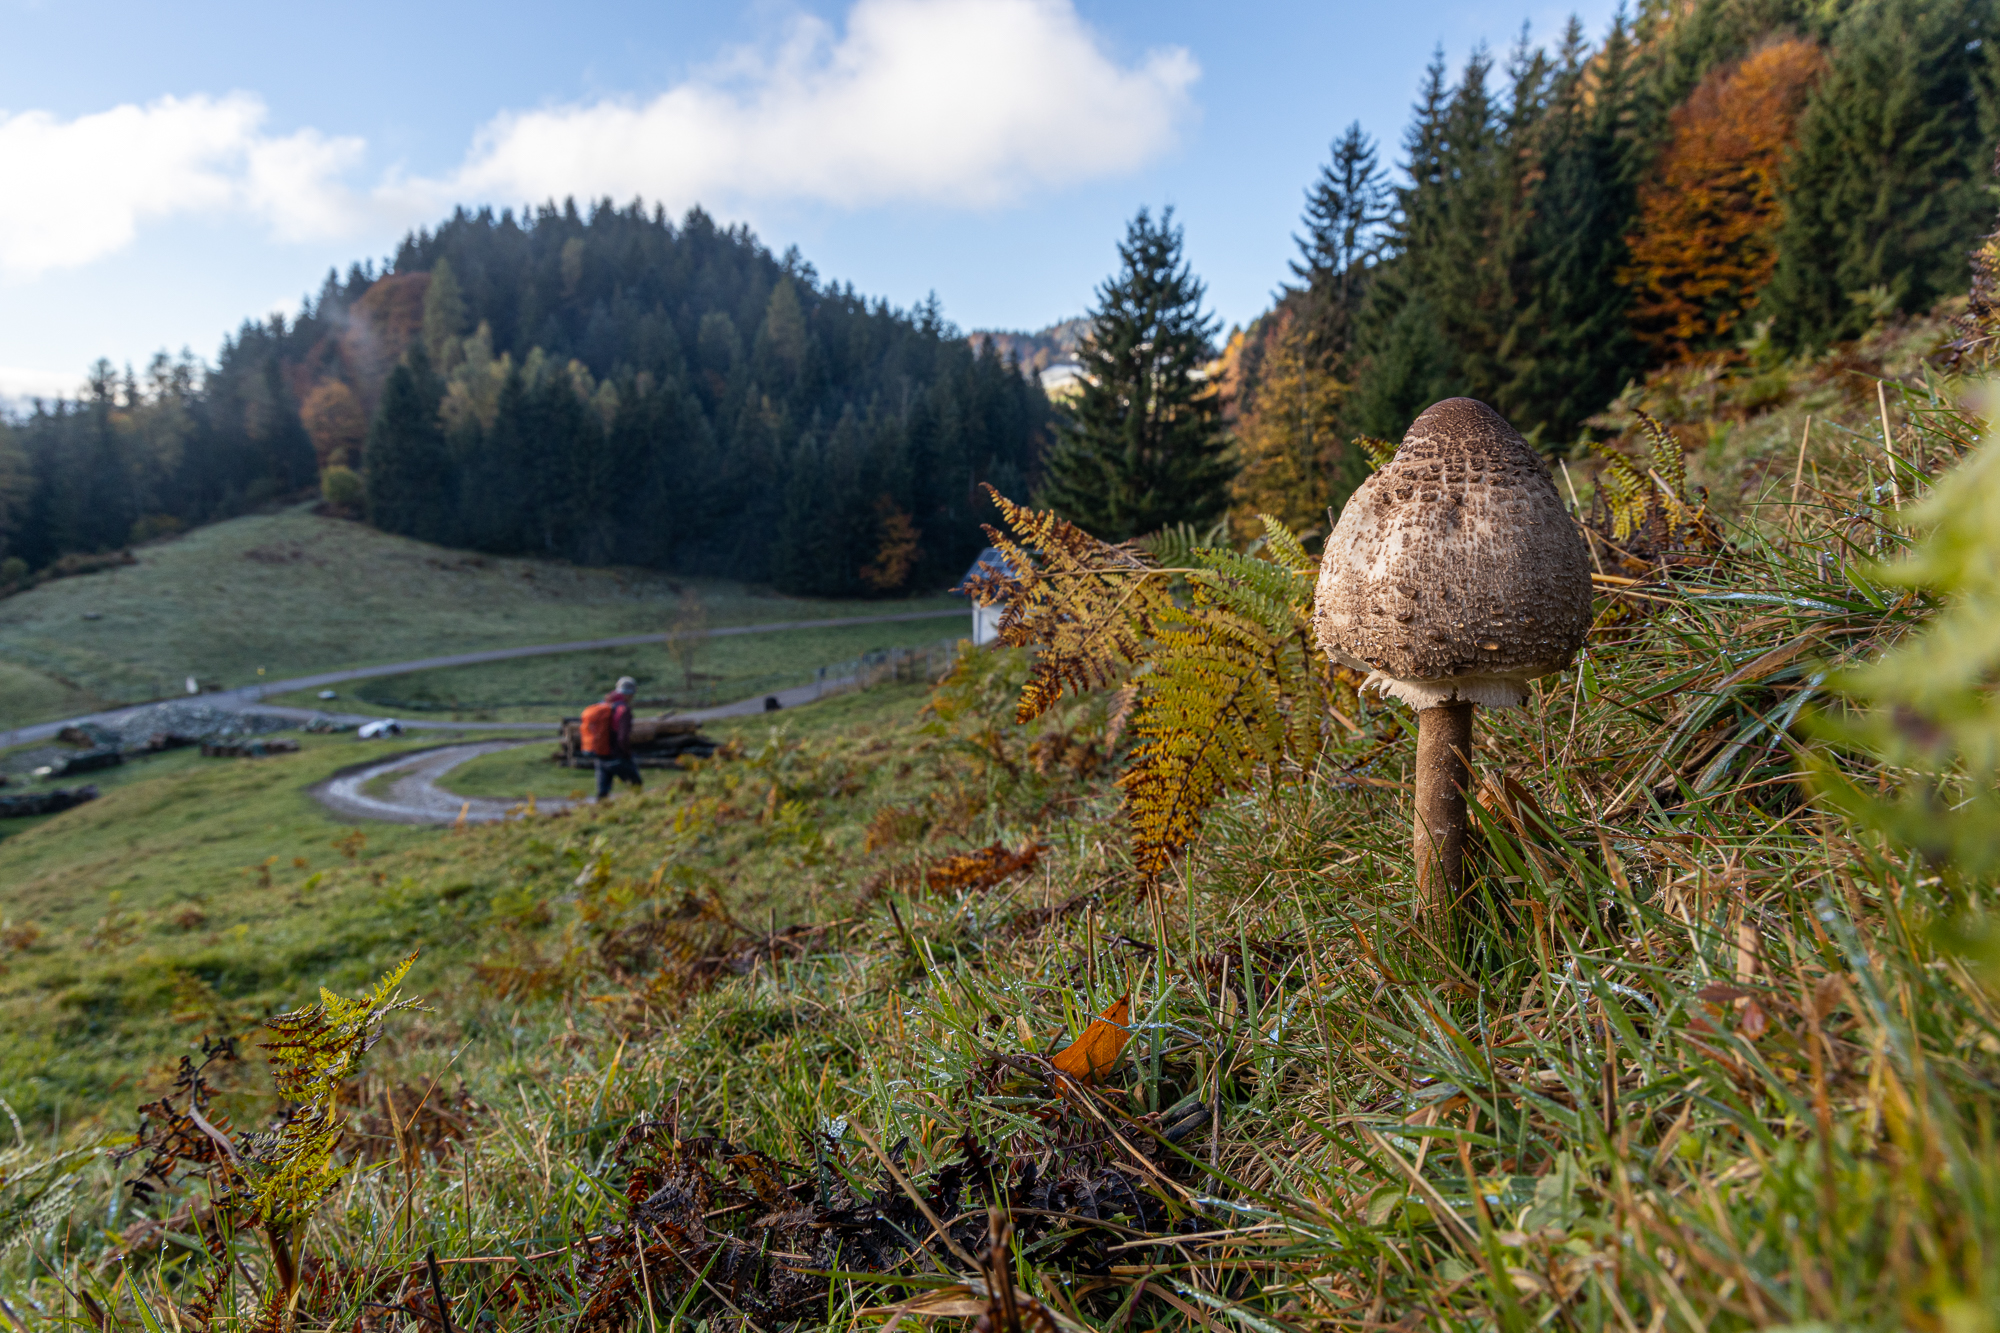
607 736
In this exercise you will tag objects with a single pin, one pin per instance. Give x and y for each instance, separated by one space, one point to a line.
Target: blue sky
167 171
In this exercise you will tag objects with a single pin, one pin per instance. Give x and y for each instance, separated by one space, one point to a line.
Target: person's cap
625 685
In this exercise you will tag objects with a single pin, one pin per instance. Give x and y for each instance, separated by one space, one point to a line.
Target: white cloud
78 190
20 386
966 103
960 103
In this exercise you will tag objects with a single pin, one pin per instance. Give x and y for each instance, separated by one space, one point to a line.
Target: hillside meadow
786 1040
293 593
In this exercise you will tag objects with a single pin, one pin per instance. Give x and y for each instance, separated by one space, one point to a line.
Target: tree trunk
1444 743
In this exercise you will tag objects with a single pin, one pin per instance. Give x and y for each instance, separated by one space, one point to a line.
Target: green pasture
541 689
292 594
196 895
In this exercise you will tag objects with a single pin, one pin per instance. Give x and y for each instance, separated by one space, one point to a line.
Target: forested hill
1726 183
609 387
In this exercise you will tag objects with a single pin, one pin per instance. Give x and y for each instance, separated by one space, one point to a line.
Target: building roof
991 557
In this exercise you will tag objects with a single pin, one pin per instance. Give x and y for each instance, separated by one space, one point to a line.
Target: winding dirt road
415 798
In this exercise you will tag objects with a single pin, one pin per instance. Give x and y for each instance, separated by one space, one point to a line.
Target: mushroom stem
1444 740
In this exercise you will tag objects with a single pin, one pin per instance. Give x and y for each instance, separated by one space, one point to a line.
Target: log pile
44 802
657 742
87 762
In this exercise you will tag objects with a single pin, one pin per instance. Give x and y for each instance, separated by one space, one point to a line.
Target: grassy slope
1716 1075
202 891
293 593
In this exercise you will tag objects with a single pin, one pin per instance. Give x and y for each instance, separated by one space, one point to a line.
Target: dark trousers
607 769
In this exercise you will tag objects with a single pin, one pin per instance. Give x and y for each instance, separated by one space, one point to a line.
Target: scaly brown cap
1454 573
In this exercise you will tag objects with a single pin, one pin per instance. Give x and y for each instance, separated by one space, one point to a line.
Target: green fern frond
1652 501
1175 546
1376 453
273 1180
1269 593
1624 492
1231 685
1284 545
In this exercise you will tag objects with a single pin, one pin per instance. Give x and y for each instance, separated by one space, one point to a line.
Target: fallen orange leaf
1091 1056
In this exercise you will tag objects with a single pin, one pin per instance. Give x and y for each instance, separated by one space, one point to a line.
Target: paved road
415 798
250 694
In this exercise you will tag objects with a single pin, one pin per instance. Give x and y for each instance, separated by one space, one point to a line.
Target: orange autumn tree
1709 210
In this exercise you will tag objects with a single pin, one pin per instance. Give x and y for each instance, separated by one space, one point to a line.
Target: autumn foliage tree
336 424
1288 436
1709 213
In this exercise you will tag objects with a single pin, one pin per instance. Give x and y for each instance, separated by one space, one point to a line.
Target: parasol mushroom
1453 578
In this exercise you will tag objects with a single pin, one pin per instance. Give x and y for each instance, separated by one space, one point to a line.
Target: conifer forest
609 385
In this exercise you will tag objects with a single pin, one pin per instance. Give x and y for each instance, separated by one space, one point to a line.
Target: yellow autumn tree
1288 437
1709 209
335 423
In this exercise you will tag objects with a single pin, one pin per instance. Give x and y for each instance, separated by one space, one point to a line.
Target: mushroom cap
1454 573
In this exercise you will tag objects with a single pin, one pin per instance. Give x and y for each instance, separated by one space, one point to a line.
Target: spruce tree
1886 189
409 469
1402 361
1570 347
1346 209
1142 445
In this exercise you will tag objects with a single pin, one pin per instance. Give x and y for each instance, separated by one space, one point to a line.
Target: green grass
294 594
545 688
30 695
1711 1057
205 892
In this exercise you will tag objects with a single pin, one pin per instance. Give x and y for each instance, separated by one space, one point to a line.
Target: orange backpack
597 737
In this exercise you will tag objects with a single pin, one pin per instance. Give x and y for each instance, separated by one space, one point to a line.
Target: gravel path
414 797
249 695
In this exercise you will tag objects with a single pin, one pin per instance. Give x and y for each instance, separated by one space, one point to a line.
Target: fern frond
1650 508
1282 543
1086 604
1625 493
1230 686
1377 453
1174 546
1232 694
1269 594
1203 728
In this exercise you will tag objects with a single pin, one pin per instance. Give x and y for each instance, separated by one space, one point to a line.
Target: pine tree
1142 446
1402 362
1346 210
409 469
1570 346
1886 189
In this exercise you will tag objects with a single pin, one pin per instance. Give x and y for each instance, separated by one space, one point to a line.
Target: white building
985 619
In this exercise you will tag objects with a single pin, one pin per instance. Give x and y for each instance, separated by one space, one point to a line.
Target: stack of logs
657 742
44 802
